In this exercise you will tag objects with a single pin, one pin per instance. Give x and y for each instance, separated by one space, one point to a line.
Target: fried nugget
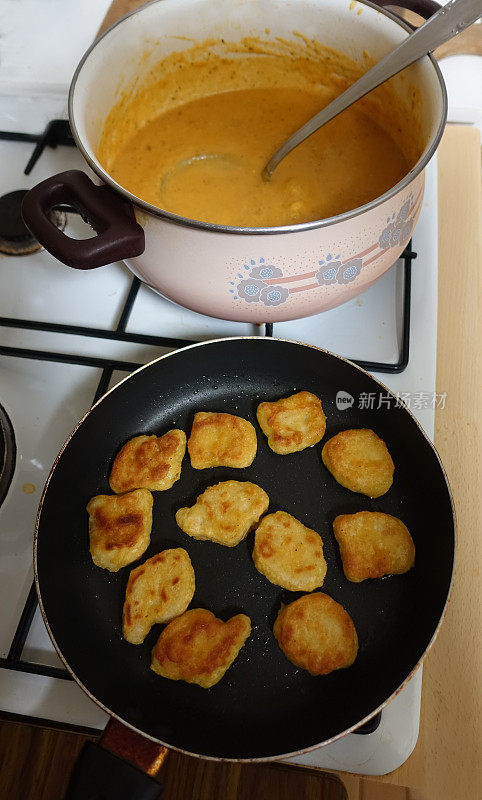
198 648
224 513
360 461
288 553
221 440
157 591
316 633
293 423
149 462
373 544
119 528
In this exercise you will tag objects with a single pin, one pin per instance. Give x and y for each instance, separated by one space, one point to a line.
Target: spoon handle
446 23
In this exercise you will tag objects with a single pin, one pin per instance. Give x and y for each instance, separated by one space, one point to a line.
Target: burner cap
7 453
15 237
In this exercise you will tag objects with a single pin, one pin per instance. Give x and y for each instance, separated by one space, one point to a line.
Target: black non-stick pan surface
264 707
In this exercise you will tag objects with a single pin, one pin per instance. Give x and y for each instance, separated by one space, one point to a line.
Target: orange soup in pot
195 138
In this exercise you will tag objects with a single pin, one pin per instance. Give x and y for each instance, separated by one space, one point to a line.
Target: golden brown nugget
149 462
293 423
119 528
198 648
317 634
288 553
373 544
360 461
157 591
224 513
221 440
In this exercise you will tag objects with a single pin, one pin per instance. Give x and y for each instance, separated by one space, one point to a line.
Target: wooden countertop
447 760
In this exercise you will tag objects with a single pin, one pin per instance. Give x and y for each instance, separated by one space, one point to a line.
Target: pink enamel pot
244 274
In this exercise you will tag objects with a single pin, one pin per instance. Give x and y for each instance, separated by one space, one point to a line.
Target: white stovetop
48 399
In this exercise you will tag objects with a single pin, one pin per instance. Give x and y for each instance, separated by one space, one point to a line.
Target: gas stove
67 336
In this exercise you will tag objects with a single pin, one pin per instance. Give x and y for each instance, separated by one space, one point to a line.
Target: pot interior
124 60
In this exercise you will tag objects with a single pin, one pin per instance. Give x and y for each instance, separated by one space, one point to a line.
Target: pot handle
425 8
121 767
119 235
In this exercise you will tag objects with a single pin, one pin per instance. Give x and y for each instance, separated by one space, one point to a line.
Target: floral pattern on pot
338 272
328 272
274 295
404 211
399 228
406 233
267 272
263 284
253 289
350 270
250 289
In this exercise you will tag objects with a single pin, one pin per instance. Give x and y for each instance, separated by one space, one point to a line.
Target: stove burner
8 452
15 237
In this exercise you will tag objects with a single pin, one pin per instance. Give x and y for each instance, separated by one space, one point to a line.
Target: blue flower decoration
386 236
250 290
274 295
398 232
403 213
350 270
395 237
266 271
406 231
328 273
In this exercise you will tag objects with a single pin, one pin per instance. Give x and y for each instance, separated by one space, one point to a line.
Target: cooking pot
244 274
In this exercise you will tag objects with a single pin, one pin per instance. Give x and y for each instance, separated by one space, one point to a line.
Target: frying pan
264 707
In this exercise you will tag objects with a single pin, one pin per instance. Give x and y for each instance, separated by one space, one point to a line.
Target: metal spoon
189 162
221 161
445 24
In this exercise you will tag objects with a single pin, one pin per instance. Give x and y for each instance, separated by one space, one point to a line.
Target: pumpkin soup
196 146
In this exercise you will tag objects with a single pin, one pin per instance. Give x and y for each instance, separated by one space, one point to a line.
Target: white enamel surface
463 78
49 699
42 41
62 285
381 751
44 402
200 268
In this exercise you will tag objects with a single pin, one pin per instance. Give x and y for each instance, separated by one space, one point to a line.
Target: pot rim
214 228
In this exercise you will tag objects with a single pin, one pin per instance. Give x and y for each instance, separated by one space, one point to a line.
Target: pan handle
100 775
120 767
119 235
